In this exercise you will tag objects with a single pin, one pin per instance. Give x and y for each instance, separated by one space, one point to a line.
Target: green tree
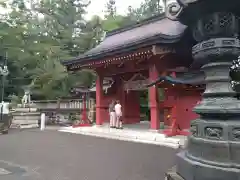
36 38
111 9
35 35
147 9
93 32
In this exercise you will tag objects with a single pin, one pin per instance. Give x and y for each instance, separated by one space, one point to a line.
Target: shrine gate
135 56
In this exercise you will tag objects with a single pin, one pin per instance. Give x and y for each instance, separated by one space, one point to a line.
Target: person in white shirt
4 117
4 107
118 112
112 114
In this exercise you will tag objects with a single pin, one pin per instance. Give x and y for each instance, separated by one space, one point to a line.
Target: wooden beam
126 69
117 59
179 69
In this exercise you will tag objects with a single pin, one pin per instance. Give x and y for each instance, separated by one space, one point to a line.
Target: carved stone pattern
208 24
216 53
213 86
236 134
222 24
194 130
220 106
208 44
213 133
216 43
225 21
215 48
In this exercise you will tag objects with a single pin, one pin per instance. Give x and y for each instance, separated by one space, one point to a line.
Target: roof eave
164 39
196 79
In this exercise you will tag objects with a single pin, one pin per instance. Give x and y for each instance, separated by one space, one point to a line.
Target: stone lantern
213 150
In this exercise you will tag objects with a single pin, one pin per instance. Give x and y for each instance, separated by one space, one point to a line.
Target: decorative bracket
135 84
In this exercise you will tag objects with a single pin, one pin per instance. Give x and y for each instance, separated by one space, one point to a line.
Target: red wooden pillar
153 99
123 101
99 100
175 105
121 97
84 112
175 128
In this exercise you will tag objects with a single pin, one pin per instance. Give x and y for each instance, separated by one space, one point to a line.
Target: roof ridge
137 24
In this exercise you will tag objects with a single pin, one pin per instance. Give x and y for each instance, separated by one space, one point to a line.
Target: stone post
213 148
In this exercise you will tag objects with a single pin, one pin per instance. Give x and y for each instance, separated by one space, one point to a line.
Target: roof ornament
173 10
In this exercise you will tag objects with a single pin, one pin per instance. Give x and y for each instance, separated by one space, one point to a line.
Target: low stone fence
62 104
64 111
57 112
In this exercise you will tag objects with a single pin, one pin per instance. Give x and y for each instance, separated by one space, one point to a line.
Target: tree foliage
36 35
148 8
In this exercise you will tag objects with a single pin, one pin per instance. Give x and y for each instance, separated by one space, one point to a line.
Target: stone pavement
52 155
129 134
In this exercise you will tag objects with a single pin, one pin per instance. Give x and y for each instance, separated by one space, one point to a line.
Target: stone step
25 122
25 118
126 135
26 109
25 113
28 126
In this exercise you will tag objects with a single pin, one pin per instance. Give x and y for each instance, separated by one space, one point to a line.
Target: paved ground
52 155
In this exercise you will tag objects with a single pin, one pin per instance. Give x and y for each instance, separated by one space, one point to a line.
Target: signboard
161 50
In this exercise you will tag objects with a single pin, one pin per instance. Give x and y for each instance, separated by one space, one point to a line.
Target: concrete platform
129 133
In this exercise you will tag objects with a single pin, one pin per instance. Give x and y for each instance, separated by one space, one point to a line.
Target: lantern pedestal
212 151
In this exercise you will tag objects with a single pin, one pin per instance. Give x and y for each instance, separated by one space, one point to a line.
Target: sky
97 7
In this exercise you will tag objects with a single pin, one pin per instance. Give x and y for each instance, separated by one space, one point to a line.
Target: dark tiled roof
190 78
155 30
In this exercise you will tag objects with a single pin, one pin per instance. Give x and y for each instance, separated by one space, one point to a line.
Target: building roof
189 78
157 29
